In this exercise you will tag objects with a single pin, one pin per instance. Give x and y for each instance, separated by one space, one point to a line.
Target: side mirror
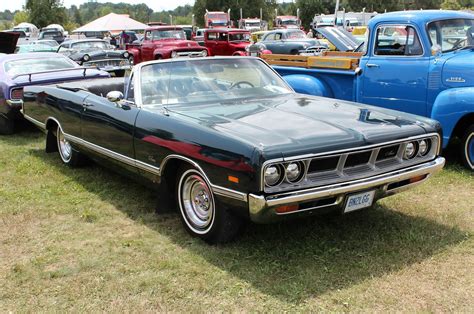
436 50
114 96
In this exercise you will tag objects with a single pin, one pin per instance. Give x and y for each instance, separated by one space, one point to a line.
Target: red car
163 42
226 41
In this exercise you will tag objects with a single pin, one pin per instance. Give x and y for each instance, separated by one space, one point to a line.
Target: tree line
44 12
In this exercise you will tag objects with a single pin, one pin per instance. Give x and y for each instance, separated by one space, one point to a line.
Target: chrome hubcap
197 201
65 148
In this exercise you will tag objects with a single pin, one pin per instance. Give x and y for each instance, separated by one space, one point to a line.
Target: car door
109 127
395 75
148 47
270 42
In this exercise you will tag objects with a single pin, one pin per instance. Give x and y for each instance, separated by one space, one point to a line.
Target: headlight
126 55
294 171
204 53
174 54
410 150
273 175
86 58
423 147
247 48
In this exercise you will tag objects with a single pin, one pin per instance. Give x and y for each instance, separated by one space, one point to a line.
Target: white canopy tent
112 23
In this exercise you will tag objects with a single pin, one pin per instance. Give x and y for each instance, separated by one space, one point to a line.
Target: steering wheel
457 44
240 83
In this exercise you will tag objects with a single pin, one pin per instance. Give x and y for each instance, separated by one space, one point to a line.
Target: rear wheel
199 213
68 155
6 125
467 148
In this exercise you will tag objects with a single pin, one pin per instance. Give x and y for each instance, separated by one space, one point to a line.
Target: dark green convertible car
231 141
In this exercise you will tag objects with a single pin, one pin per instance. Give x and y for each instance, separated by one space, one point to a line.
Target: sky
156 5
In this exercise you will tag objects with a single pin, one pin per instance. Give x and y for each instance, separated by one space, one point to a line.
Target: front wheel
199 213
68 155
6 125
467 147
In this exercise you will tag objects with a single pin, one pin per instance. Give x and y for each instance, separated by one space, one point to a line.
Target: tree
20 17
75 15
44 12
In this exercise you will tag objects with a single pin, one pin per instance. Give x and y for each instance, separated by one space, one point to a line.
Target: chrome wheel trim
196 202
469 150
64 147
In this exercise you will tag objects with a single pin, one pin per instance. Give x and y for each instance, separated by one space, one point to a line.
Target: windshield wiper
465 47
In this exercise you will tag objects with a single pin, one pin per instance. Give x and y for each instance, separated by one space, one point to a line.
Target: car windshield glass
22 66
289 22
89 45
50 43
170 34
452 34
50 34
197 81
239 37
252 24
296 35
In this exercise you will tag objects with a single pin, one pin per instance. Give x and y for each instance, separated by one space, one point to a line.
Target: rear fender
450 107
307 84
239 53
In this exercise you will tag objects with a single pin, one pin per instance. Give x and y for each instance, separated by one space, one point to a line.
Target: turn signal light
16 93
417 179
233 179
287 208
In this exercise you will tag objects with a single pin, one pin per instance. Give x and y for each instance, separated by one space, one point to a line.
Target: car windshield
89 45
40 64
205 80
252 24
452 34
289 22
239 37
169 34
296 35
50 43
50 34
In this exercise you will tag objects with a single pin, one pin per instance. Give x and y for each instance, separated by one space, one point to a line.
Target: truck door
396 72
147 47
210 39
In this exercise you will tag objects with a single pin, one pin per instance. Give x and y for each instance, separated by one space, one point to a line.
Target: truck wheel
199 213
467 147
68 154
6 125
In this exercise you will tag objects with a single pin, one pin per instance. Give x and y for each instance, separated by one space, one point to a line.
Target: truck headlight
204 53
126 55
410 150
273 175
294 171
174 54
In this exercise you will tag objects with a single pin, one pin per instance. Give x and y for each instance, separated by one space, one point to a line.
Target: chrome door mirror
114 96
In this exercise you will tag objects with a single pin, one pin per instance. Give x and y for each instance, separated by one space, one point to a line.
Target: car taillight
16 93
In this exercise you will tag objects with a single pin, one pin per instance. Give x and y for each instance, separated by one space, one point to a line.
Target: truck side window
397 40
212 36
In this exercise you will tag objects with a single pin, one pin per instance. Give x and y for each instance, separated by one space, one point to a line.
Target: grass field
89 240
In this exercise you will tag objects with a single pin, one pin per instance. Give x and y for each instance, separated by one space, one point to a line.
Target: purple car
18 71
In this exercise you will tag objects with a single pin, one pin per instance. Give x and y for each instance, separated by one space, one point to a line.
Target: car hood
296 124
456 71
177 43
8 42
342 40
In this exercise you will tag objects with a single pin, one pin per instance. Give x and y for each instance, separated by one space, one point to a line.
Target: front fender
163 53
306 84
450 106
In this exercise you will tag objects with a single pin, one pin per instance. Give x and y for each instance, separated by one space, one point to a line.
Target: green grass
89 240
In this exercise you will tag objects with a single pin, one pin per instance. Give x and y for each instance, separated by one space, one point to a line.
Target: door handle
372 65
85 105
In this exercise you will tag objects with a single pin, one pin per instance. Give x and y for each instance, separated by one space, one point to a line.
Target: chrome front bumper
262 209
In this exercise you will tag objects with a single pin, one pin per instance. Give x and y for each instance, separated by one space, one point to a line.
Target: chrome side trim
216 189
39 124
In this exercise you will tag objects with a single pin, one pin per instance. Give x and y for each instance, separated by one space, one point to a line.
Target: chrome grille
336 167
107 63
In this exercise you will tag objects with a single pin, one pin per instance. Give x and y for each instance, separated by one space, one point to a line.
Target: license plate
358 201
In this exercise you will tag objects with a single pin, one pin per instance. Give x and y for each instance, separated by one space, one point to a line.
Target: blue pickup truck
421 62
